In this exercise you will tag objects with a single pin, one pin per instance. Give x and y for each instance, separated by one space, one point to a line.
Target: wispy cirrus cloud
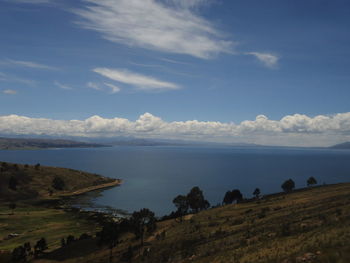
104 87
12 78
10 92
141 82
32 1
267 59
114 88
62 86
293 130
93 85
155 25
26 64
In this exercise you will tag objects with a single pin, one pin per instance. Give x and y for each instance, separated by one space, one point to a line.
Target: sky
275 73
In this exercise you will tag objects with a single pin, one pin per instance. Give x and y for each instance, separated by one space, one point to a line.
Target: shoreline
116 182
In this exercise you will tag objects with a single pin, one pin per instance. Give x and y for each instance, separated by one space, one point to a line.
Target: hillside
19 182
308 225
25 143
345 145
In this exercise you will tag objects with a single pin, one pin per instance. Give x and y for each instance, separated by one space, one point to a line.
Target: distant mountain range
29 143
41 142
345 145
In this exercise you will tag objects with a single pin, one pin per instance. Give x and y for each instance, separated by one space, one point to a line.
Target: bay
153 176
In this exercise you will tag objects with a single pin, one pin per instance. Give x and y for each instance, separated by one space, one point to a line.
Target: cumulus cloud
297 129
139 81
27 64
155 25
10 92
268 60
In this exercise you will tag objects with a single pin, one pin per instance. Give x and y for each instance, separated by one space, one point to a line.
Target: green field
34 222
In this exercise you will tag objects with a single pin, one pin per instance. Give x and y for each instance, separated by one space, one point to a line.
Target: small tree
109 235
37 166
19 254
12 206
63 242
231 196
256 193
142 221
70 239
288 185
196 199
40 246
311 181
58 183
13 183
181 204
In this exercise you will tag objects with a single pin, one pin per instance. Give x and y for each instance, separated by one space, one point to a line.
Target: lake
153 176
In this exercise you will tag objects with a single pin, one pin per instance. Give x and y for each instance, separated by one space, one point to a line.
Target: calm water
153 176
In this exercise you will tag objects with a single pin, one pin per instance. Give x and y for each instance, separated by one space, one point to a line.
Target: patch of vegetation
22 182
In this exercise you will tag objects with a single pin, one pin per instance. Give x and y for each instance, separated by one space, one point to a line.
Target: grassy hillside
308 225
305 226
19 182
311 224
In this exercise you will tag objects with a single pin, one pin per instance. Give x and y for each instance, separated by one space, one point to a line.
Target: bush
58 183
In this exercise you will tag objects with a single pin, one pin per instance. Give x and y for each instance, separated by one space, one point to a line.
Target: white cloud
297 129
12 78
114 88
139 81
189 4
62 86
9 92
93 85
32 1
27 64
154 25
269 60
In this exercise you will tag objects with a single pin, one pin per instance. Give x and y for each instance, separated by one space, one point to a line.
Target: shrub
58 183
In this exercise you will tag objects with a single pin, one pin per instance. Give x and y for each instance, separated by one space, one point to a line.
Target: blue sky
205 60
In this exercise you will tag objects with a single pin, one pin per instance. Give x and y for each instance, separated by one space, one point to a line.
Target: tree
37 166
40 247
19 254
109 235
227 198
142 221
311 181
181 204
288 185
58 183
70 240
63 242
12 206
13 183
231 196
256 193
196 200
